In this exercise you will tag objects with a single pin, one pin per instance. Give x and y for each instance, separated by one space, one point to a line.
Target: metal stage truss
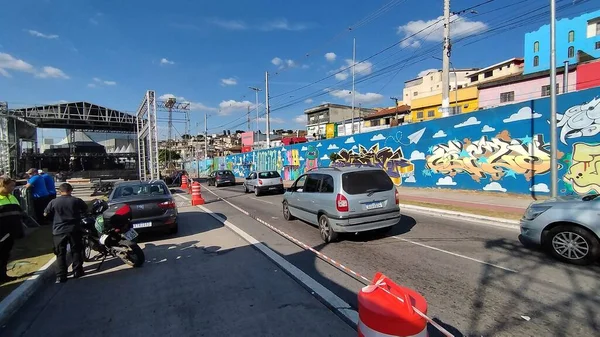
5 143
147 138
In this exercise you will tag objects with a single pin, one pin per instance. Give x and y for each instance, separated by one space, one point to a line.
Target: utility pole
395 99
248 118
205 142
353 76
267 108
553 121
256 90
446 61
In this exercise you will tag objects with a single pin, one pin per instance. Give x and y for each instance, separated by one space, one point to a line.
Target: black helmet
99 206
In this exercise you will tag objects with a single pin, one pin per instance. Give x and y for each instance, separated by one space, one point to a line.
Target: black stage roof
77 115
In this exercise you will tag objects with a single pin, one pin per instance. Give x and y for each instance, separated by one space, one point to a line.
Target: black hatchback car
221 178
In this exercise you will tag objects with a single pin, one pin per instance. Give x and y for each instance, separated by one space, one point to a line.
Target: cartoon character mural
497 157
291 164
312 158
392 161
580 121
584 174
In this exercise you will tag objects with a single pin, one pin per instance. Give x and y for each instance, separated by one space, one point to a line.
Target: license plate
272 188
374 205
131 234
142 224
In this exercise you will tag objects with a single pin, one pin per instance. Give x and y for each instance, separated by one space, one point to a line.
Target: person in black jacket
10 223
67 211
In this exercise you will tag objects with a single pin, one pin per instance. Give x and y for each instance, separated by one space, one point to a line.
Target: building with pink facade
521 88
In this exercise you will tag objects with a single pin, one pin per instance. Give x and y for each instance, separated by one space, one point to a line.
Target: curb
17 298
500 222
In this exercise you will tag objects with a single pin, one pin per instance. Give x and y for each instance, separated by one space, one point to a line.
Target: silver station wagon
344 199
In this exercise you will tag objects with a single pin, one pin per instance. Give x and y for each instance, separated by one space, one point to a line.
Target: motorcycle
109 232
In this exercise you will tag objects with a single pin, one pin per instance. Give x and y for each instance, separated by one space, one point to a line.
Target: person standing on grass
39 192
50 185
67 211
10 224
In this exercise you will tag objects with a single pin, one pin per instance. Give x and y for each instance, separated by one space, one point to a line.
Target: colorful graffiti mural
504 149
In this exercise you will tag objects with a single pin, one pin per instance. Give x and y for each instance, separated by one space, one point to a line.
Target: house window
474 79
536 61
375 122
431 113
571 52
488 74
571 36
546 90
536 47
598 45
415 93
419 114
598 28
507 97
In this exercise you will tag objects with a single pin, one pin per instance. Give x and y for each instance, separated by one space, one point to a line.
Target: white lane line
268 202
323 293
455 254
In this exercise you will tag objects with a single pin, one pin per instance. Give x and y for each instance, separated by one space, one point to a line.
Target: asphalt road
204 281
478 279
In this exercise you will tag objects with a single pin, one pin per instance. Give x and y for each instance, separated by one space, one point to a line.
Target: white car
264 181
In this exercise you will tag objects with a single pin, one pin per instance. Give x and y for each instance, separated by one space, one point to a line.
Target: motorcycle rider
67 211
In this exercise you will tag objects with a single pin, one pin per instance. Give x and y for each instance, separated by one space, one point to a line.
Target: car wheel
573 244
246 190
327 233
216 184
286 212
256 191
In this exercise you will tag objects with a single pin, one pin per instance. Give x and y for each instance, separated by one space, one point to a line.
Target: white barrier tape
368 332
329 260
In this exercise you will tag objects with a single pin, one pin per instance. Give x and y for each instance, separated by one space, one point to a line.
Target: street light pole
267 108
446 61
205 142
553 121
256 90
353 76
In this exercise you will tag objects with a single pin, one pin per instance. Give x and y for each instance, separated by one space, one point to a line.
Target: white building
430 84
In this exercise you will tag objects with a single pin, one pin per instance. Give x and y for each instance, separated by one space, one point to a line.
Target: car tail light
341 203
259 182
397 198
167 204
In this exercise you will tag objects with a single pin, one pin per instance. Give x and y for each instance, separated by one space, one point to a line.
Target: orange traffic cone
196 194
184 182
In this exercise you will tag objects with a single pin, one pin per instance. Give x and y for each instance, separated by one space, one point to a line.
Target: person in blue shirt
39 193
50 185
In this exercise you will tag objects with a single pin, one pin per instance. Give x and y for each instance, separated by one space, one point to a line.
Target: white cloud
51 72
300 119
330 56
541 187
341 76
91 85
319 145
194 106
470 121
494 186
377 137
301 159
110 83
277 61
426 71
274 120
367 98
418 31
305 66
165 61
290 63
308 100
229 24
487 128
445 181
350 140
416 155
304 148
99 81
354 147
8 62
227 107
439 134
281 63
523 114
283 24
410 179
325 157
333 147
228 81
42 35
360 68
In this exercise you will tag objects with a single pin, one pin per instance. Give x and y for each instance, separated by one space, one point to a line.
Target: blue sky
208 52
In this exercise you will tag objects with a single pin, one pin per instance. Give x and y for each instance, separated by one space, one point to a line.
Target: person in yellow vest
10 223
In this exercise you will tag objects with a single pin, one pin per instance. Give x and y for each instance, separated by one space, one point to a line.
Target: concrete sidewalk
206 281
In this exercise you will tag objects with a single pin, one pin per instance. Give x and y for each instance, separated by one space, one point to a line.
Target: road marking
324 294
455 254
325 258
268 202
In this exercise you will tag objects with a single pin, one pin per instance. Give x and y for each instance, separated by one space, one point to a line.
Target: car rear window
141 190
224 173
268 175
360 182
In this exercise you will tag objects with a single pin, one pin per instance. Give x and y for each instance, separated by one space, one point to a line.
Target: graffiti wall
505 149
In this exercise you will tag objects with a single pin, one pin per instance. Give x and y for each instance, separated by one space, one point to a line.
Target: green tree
166 154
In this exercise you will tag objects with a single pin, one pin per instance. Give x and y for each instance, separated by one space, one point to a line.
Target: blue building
581 33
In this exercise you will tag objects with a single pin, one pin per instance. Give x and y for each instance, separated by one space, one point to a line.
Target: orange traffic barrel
184 182
197 194
381 313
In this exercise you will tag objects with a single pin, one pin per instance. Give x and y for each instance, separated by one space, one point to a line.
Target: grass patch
27 256
494 214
